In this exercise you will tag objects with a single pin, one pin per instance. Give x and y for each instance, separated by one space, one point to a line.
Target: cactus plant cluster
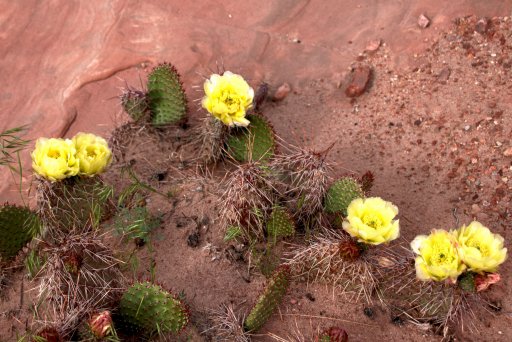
148 309
269 300
165 101
18 225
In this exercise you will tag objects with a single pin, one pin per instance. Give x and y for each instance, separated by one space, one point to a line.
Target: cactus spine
340 194
18 225
254 143
268 300
135 104
146 308
167 99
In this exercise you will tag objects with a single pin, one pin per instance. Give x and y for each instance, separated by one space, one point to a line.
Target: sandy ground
434 127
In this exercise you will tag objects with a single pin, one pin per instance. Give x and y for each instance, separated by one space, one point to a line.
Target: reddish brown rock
373 45
444 75
508 152
358 81
281 92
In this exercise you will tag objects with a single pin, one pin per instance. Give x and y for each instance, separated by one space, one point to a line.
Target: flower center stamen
372 221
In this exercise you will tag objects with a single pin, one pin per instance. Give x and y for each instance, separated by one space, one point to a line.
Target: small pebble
423 21
373 45
508 152
282 92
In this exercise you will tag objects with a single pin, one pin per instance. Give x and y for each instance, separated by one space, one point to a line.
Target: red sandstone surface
63 62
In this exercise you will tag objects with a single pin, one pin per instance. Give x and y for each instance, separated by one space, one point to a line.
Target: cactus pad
280 224
18 225
340 194
254 143
167 99
146 308
135 104
268 300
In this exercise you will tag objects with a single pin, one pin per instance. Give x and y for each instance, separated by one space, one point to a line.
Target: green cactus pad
280 224
167 99
254 143
18 225
146 308
466 282
268 300
340 194
135 104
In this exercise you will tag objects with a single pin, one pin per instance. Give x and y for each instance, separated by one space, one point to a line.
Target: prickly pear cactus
280 224
268 300
167 99
74 202
340 194
18 225
466 282
146 308
254 143
135 104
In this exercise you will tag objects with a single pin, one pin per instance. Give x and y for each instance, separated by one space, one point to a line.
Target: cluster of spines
280 224
167 99
341 194
74 202
135 104
148 309
18 225
254 143
269 300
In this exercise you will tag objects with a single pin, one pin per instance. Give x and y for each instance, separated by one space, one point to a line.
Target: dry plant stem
227 325
68 293
249 195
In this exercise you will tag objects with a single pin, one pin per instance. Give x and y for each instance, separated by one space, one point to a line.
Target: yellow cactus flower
479 248
55 159
370 220
438 258
93 153
228 97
